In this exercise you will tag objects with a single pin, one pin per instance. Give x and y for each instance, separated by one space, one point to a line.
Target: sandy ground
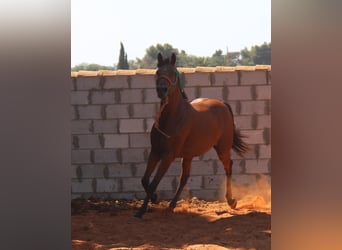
194 224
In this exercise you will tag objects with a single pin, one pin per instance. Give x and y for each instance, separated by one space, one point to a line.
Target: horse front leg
186 164
151 188
152 162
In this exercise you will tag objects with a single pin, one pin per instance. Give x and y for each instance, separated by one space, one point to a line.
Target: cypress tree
123 63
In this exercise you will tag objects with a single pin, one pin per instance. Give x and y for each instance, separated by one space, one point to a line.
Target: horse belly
200 140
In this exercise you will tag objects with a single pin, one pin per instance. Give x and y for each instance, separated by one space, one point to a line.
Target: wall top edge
128 72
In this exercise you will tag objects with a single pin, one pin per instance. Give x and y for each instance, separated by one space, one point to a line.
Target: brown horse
186 130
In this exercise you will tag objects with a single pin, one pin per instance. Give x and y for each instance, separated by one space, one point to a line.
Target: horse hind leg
186 164
227 163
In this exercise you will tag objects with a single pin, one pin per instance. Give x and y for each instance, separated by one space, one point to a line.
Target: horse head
167 76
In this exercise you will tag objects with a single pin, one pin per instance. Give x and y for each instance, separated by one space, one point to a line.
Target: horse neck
175 105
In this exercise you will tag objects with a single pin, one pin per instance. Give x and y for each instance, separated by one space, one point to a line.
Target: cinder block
257 166
210 155
87 82
116 82
149 125
235 107
265 151
193 183
92 171
264 121
143 81
253 77
237 167
107 185
239 93
140 169
191 93
131 184
167 183
150 96
175 169
134 155
212 92
197 79
90 112
254 136
119 170
214 181
80 127
131 126
89 141
144 110
105 156
115 141
139 140
84 186
117 111
105 126
225 78
80 156
131 96
243 180
243 121
252 107
79 97
103 97
201 168
263 92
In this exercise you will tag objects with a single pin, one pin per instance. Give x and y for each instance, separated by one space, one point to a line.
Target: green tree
262 54
246 57
90 67
149 61
217 59
123 63
256 55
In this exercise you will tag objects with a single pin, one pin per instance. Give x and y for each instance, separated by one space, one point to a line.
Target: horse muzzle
162 93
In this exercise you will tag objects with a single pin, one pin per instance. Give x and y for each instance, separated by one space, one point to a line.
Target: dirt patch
194 224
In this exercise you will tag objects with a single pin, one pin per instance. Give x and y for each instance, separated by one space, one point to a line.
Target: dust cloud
257 196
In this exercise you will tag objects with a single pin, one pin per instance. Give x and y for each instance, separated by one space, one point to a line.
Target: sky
198 27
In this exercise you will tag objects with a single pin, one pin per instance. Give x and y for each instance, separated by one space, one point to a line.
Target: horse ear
173 58
160 58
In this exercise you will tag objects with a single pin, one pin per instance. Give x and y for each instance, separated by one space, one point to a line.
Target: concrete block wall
113 112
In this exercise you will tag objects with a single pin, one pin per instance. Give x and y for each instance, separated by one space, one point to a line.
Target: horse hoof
232 203
172 205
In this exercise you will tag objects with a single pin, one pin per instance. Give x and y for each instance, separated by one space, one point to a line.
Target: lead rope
156 122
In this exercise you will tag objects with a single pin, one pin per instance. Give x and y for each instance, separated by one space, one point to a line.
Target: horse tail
239 146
